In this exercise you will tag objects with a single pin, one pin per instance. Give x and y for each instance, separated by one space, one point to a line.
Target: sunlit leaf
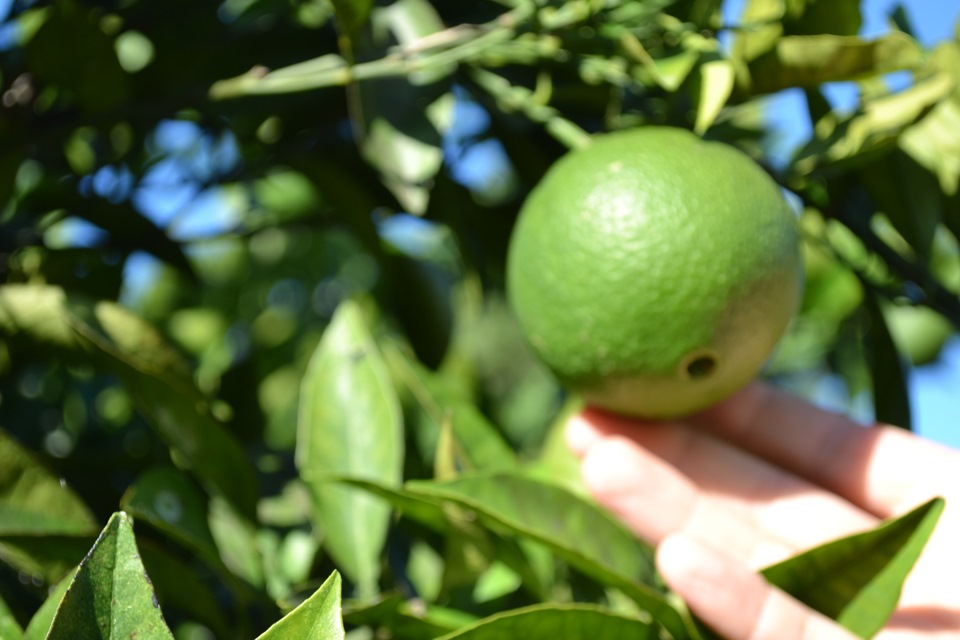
349 424
716 85
560 621
576 530
91 607
806 61
857 580
35 502
317 618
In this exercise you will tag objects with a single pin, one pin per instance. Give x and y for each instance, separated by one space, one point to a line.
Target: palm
761 478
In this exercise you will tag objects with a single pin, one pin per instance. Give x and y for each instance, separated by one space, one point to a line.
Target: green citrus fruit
654 272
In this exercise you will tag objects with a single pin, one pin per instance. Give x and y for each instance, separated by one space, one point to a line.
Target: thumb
734 601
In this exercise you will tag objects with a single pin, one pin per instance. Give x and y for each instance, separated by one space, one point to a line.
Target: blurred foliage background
190 191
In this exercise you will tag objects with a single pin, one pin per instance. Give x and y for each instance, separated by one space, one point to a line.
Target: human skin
762 477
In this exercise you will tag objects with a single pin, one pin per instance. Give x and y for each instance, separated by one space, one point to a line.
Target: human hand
758 479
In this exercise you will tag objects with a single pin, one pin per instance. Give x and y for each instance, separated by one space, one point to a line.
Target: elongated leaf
575 529
171 502
111 595
40 623
116 340
406 619
479 446
9 628
857 580
317 618
48 558
807 61
35 502
557 622
716 85
810 17
401 119
349 425
891 396
352 14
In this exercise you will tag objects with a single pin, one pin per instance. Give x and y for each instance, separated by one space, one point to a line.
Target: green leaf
116 340
110 595
879 123
478 444
716 84
857 580
810 17
172 503
317 618
9 627
807 61
576 530
891 396
909 195
352 14
35 502
48 558
400 120
558 622
349 424
406 618
39 625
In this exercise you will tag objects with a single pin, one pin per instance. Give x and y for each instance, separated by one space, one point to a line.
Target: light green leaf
39 624
92 608
116 340
857 580
171 502
35 502
878 123
317 618
558 622
760 28
349 425
807 61
716 85
575 529
9 628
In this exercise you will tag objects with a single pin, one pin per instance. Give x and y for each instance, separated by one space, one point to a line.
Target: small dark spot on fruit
701 367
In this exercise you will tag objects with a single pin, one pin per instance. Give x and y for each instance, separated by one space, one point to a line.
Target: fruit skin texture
654 272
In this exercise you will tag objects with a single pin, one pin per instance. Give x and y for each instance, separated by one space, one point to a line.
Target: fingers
662 478
735 602
654 500
866 466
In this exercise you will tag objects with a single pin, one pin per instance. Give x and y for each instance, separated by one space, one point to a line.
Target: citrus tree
259 374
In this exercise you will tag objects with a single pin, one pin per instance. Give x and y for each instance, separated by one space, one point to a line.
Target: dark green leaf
317 618
811 17
410 620
109 336
349 424
39 625
352 14
48 558
557 621
857 580
891 396
478 444
110 595
35 502
171 502
576 530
